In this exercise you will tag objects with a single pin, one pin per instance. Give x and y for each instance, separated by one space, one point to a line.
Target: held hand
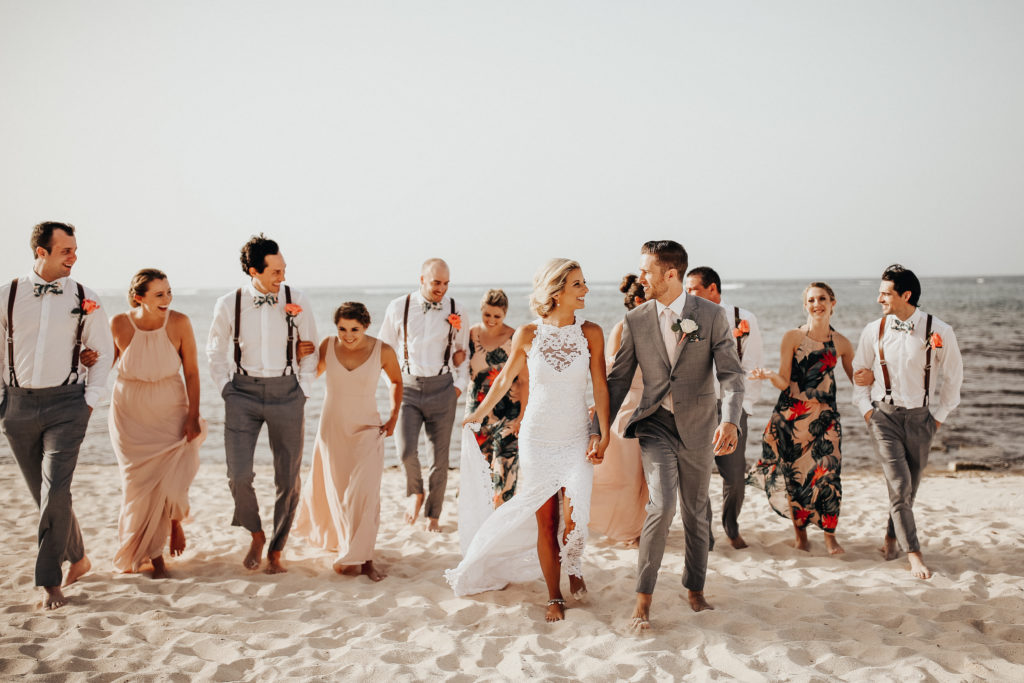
458 392
458 357
388 428
595 451
864 377
192 428
515 425
590 414
305 348
471 418
726 438
867 416
88 357
760 373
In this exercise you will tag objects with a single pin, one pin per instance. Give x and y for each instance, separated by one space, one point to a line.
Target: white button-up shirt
428 337
263 338
44 338
753 356
666 321
905 357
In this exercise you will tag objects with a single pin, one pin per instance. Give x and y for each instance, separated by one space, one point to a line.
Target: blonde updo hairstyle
140 284
548 282
496 298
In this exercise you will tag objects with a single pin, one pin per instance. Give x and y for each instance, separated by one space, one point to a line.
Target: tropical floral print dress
496 438
800 454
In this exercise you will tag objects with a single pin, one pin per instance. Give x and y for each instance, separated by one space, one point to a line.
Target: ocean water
988 427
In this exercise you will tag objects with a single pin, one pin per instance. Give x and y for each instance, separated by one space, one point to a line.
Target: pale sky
773 139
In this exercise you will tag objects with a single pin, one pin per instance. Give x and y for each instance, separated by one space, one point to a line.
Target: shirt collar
677 306
914 318
34 278
418 298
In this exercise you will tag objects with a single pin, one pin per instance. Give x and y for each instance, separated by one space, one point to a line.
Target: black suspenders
289 349
405 339
739 340
76 351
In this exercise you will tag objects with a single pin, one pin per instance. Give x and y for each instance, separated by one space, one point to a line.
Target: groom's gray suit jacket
689 374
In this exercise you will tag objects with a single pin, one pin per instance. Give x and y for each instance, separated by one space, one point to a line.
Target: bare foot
413 511
577 587
274 565
632 543
833 545
801 542
918 567
371 572
641 618
347 569
177 538
76 570
254 556
697 601
890 549
159 568
556 610
738 543
433 525
53 598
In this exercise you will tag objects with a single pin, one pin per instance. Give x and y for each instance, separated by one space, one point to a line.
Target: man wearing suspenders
431 334
705 283
47 396
909 354
254 349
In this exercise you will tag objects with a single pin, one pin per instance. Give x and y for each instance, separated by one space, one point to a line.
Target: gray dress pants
249 402
902 438
673 470
45 428
426 402
732 467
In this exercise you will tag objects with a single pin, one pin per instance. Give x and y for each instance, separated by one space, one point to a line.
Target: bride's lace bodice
559 365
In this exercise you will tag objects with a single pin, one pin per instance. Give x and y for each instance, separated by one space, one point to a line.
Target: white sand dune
780 613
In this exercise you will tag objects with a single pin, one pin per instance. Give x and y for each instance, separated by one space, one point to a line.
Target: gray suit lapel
689 311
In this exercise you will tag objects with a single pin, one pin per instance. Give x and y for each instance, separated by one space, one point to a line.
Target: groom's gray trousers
672 470
426 402
902 438
732 467
45 428
280 403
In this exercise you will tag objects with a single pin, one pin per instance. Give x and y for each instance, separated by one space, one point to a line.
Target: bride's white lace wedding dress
552 456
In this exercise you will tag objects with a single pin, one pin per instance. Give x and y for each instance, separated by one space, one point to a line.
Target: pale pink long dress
148 409
340 506
617 505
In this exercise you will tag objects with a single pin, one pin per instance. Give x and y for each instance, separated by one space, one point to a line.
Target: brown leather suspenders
291 334
927 360
13 381
739 340
405 338
238 323
76 351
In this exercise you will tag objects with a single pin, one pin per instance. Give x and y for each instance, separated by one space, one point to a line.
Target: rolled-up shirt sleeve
864 358
951 369
218 345
96 336
307 332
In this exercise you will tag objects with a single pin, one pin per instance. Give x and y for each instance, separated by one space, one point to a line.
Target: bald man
430 333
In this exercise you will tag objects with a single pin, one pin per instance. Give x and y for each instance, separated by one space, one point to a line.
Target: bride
547 518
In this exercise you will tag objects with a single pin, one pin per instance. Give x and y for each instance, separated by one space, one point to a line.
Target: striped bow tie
901 326
50 287
431 306
258 300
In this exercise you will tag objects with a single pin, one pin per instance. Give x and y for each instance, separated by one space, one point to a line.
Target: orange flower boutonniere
455 321
290 311
86 307
742 330
935 341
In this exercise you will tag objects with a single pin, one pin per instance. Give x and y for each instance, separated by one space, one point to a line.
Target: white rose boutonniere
686 328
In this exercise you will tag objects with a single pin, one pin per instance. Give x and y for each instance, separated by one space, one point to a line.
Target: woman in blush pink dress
154 422
617 505
340 507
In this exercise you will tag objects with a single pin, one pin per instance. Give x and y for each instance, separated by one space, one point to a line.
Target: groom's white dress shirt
667 317
428 337
44 337
263 338
905 358
753 356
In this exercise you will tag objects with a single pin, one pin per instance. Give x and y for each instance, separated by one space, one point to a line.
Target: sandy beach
780 613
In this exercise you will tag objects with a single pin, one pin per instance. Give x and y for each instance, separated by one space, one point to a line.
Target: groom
678 341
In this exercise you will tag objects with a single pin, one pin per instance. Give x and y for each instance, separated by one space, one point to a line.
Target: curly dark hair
353 310
903 280
255 252
42 234
631 287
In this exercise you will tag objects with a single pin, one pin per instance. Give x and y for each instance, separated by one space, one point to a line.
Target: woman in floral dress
800 460
490 346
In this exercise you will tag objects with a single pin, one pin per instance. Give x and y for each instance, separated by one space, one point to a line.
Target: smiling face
434 282
659 283
157 299
58 261
350 332
695 286
894 303
573 295
492 316
818 303
270 280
